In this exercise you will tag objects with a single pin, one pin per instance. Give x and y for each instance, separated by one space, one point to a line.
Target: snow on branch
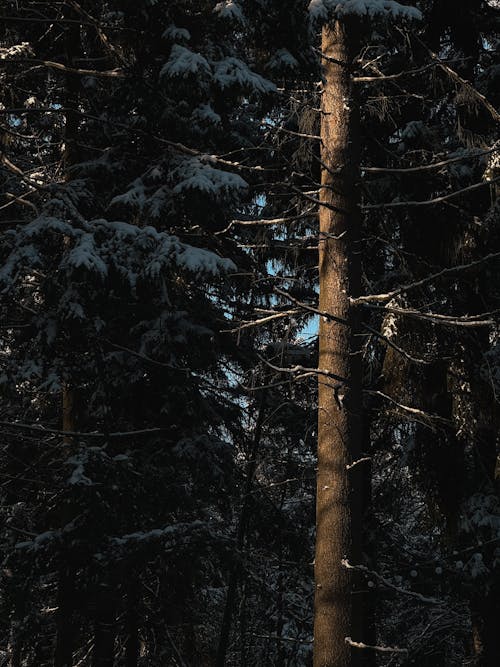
183 62
196 175
16 50
323 9
380 649
175 34
234 72
229 9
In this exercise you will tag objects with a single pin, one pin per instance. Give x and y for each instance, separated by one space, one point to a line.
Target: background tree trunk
339 489
104 627
65 622
244 517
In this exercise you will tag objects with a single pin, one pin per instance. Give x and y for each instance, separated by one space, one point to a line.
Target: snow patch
84 254
282 59
183 62
232 71
195 175
135 196
320 10
176 34
206 114
196 259
229 9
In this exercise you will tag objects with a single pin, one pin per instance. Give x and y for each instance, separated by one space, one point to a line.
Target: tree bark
337 612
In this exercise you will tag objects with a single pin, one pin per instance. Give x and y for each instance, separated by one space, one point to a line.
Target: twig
381 649
283 639
268 221
113 73
426 167
303 369
391 77
436 318
419 283
262 320
415 412
144 357
386 582
79 434
355 463
431 202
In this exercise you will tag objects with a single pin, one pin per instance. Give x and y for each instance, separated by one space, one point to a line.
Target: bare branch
431 202
424 281
389 584
113 73
355 463
391 77
269 221
306 371
262 320
417 415
427 167
79 434
445 320
381 649
147 359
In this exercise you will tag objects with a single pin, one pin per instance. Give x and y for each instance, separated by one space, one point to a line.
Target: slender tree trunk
234 575
485 613
65 618
104 627
339 489
15 646
132 620
65 621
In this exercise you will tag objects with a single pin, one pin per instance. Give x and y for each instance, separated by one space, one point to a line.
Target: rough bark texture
339 489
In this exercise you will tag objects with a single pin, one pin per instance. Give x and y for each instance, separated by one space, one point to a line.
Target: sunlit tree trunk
339 488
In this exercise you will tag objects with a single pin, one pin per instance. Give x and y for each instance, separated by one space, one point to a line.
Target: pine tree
119 272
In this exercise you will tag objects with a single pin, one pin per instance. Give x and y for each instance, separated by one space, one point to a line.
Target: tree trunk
244 517
65 618
65 621
132 620
339 489
485 610
104 627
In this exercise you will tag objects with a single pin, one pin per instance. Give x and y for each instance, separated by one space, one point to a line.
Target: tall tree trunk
339 489
65 621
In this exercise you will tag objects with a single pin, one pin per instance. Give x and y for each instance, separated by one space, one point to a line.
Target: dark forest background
160 170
